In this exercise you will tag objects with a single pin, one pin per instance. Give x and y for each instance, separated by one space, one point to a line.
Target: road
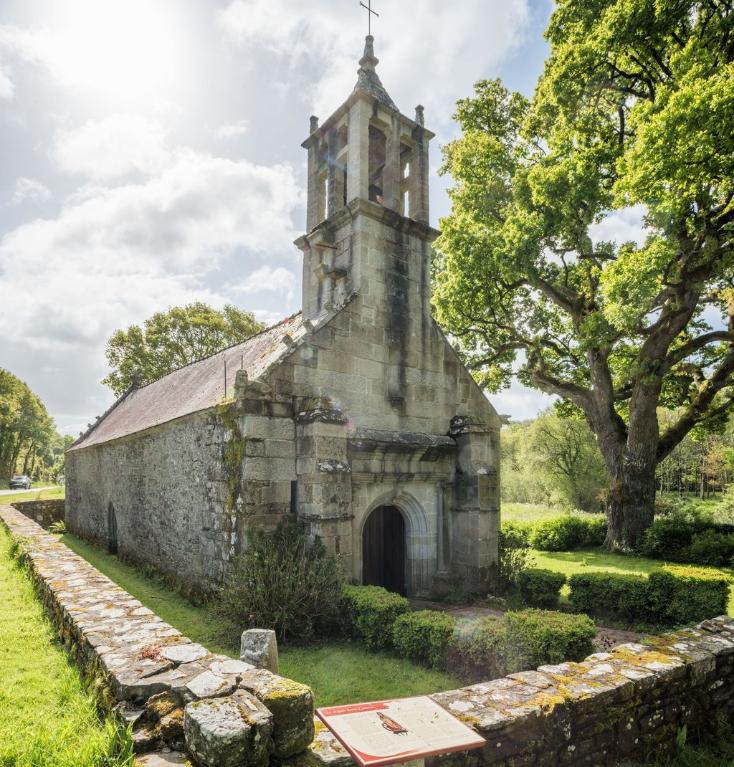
32 490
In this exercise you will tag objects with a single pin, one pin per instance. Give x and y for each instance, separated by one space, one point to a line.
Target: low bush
369 612
514 556
568 532
540 588
688 537
667 597
517 534
688 594
521 640
425 635
283 582
535 637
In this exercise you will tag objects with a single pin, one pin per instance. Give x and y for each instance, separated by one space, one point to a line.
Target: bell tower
367 197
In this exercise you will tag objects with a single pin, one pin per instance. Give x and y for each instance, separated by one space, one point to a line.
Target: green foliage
668 597
425 635
552 460
687 537
369 612
567 532
628 112
29 443
57 528
514 556
535 637
540 588
523 640
284 582
169 340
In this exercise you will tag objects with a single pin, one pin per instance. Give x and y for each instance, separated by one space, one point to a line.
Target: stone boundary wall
616 707
44 512
175 693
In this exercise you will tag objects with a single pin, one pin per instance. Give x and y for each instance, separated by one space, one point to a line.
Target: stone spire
368 81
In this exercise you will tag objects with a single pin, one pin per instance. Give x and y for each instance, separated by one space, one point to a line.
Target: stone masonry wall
43 512
168 489
617 707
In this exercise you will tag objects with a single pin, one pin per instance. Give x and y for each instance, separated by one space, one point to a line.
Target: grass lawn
57 491
531 512
46 717
337 672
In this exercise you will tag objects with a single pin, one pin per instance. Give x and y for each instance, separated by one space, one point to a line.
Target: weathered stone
162 759
324 751
235 731
184 653
210 685
291 704
259 647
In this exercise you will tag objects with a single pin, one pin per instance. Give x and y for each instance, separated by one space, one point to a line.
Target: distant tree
26 429
635 108
169 340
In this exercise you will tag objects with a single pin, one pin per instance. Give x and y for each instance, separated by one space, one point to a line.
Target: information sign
397 731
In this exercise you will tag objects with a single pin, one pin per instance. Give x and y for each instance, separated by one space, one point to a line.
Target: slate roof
195 387
368 80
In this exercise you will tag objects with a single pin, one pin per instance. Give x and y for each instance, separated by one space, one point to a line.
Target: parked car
20 482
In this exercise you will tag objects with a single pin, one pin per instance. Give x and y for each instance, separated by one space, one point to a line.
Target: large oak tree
635 110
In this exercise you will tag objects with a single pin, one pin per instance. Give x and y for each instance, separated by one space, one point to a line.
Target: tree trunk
631 505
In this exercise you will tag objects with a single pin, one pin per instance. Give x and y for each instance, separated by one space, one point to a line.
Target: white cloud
521 402
6 85
122 253
29 189
268 279
113 147
233 130
624 225
429 51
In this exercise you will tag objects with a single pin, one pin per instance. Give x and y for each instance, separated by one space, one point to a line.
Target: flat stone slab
184 653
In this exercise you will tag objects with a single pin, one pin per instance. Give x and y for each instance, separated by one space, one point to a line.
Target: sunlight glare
127 49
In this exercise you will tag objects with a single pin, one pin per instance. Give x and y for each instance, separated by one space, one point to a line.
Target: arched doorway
384 550
111 529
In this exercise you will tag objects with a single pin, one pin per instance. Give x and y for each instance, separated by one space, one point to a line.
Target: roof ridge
224 349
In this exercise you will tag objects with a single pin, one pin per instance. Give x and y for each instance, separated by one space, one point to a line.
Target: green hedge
540 588
678 538
568 532
667 597
369 612
522 640
425 635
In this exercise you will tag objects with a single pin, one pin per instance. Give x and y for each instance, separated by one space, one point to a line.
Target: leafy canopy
635 109
169 340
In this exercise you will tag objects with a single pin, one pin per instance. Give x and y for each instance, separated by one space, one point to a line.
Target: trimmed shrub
540 588
612 595
568 532
514 557
522 640
369 612
694 594
535 637
710 547
517 534
668 597
284 582
425 635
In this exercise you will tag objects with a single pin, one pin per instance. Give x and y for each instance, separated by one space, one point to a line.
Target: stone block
235 731
260 648
291 704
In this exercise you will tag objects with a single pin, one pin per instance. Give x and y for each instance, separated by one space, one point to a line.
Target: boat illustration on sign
391 725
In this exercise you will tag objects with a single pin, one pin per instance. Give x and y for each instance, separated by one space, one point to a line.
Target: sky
150 156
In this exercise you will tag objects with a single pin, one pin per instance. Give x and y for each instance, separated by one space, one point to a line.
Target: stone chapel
355 415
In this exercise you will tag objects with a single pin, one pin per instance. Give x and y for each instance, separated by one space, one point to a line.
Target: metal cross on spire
370 14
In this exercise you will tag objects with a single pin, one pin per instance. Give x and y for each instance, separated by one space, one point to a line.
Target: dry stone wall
174 692
46 513
617 707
